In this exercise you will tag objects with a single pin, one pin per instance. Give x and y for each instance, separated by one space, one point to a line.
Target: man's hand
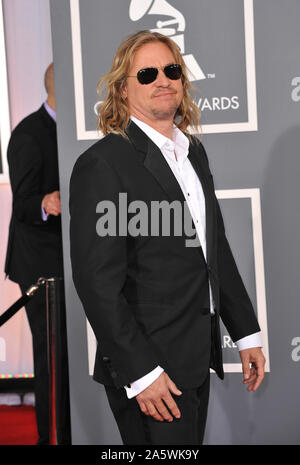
51 203
151 399
255 374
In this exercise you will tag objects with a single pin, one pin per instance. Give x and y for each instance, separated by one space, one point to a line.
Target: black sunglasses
148 75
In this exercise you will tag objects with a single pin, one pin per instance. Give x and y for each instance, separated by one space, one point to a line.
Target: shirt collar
50 111
179 141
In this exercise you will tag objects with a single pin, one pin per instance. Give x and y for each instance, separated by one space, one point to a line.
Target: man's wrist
141 384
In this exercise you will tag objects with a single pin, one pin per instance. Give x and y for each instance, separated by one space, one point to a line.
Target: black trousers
37 318
137 428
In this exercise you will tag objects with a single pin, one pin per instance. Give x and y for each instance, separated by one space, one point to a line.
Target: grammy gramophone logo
172 25
224 82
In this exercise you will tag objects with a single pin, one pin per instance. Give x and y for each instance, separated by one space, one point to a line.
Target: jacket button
113 374
106 359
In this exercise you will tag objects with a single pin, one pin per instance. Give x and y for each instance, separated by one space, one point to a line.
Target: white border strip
250 65
78 73
254 195
250 125
4 107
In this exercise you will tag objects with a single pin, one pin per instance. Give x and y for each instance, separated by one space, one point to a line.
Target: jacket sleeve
236 309
25 171
99 266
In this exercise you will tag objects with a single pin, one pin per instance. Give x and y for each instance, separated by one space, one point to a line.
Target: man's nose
162 79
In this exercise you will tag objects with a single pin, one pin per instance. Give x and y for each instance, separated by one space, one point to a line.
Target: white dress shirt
176 152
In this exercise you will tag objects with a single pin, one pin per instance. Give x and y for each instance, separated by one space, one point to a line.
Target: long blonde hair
113 112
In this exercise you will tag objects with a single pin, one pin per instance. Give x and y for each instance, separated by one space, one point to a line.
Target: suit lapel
155 162
198 166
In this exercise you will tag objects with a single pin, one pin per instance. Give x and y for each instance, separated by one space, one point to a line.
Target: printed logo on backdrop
295 94
220 59
171 23
295 354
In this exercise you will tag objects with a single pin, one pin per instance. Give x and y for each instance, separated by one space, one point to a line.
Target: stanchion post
59 409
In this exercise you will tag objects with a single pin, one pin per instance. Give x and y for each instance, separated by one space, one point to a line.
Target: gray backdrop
244 56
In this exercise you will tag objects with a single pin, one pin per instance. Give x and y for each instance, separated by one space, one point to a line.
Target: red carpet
17 425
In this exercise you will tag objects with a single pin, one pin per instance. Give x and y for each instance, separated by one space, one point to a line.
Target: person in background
35 241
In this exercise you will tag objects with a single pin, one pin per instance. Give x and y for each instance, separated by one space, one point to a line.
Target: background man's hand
153 399
51 203
253 375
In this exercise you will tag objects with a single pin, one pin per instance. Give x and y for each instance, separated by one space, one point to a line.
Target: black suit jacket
147 297
34 246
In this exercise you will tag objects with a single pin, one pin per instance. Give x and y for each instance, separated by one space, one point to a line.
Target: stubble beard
165 113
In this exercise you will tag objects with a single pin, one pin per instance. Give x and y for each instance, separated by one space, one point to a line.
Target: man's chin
164 113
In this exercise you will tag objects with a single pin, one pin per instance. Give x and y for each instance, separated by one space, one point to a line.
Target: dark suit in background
34 246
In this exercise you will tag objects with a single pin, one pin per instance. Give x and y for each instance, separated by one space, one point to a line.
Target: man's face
160 99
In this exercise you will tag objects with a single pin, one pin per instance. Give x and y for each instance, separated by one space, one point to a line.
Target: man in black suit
153 299
34 244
